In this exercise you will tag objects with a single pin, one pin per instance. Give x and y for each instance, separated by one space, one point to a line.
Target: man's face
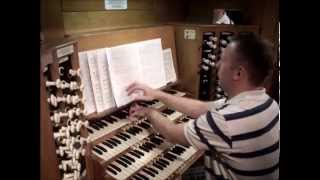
225 70
218 12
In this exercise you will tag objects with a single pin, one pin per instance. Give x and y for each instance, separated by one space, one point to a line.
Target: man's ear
238 73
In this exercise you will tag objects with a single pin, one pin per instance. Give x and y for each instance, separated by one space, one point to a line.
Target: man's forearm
191 107
171 131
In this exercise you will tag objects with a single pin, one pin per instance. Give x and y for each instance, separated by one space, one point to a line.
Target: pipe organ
104 145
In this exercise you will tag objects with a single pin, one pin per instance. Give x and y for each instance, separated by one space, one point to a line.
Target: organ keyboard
134 150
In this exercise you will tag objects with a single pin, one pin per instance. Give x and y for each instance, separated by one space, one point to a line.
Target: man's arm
191 107
174 133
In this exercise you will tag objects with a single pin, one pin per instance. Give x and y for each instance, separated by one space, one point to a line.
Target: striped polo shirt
241 137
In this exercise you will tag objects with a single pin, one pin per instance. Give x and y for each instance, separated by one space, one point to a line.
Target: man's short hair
257 53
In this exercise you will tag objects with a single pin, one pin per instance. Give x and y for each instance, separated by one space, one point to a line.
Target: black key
155 100
156 141
161 164
137 177
100 147
120 114
122 163
90 131
138 152
130 131
168 157
121 137
111 170
145 125
111 119
101 122
125 160
125 135
137 128
115 167
175 151
134 154
97 124
151 146
152 170
106 121
107 144
147 146
133 129
157 166
148 172
172 155
180 148
167 111
142 176
164 161
111 142
94 127
97 150
130 158
115 140
144 149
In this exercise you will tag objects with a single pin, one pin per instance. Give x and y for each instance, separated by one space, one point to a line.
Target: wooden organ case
114 147
199 53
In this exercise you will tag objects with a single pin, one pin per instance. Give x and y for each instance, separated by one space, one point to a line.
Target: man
240 135
220 17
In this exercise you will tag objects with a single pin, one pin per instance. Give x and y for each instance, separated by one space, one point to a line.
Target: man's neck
239 90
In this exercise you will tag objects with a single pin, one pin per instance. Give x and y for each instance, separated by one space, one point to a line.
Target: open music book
107 72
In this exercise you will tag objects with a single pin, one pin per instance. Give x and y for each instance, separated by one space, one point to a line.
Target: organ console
105 145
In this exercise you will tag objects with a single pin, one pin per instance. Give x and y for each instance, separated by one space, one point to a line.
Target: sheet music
170 72
151 61
105 84
124 69
95 80
89 103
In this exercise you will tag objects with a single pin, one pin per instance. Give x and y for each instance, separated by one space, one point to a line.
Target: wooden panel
79 22
188 54
51 20
98 5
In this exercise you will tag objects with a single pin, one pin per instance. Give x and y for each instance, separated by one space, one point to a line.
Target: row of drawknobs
212 48
67 117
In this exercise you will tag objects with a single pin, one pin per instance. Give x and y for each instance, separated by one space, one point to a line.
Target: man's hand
138 112
148 93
